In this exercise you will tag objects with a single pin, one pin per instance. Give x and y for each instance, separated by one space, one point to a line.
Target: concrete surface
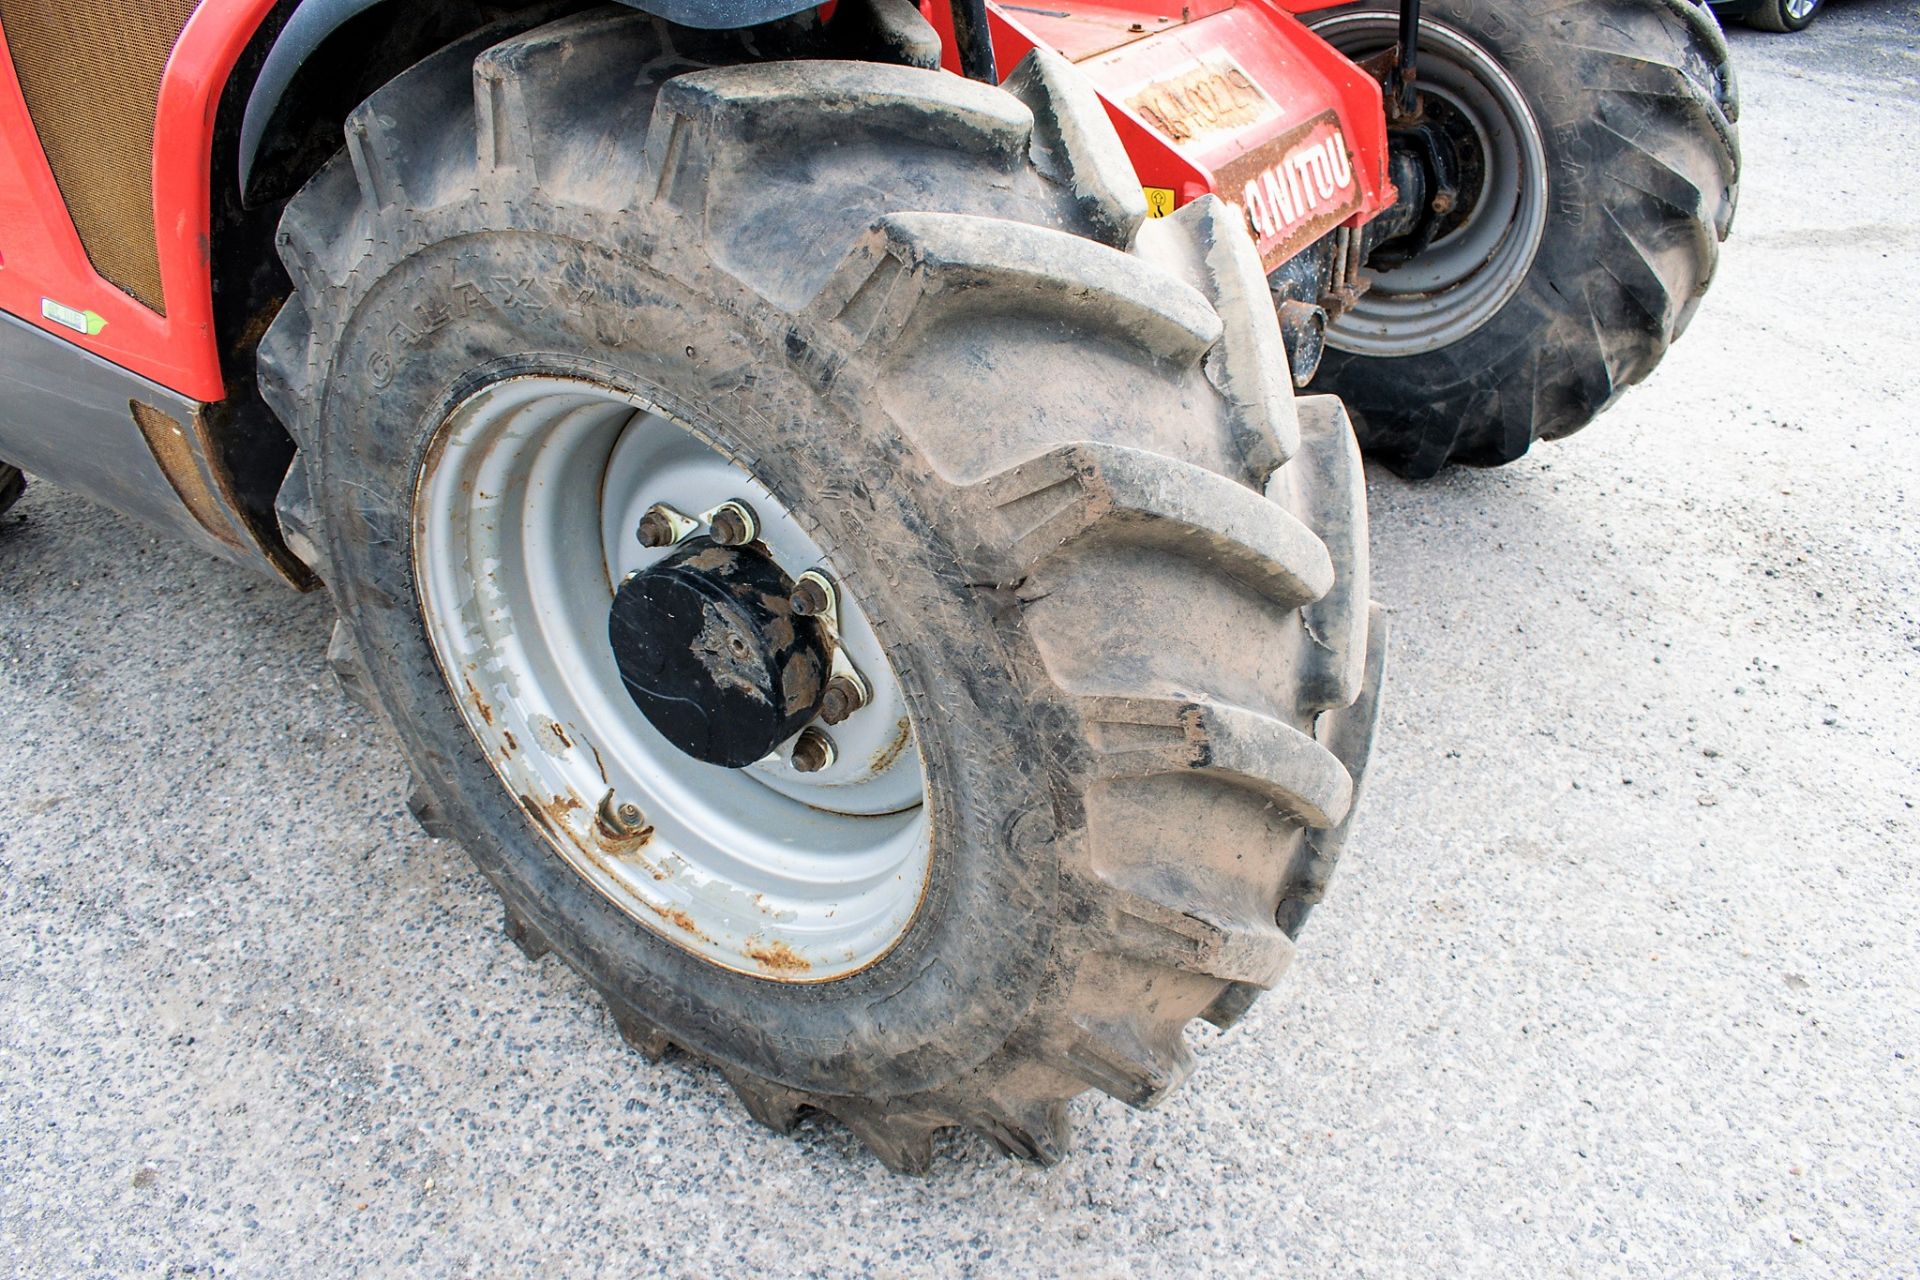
1622 976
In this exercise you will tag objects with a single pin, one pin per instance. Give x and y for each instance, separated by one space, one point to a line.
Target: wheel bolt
734 524
813 751
811 597
656 529
619 819
842 699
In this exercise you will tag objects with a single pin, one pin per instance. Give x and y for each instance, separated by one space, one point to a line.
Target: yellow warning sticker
1159 201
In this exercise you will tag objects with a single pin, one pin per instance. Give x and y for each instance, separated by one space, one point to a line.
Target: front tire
1118 576
1605 132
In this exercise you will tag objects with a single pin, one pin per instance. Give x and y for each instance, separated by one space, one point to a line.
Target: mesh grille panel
91 76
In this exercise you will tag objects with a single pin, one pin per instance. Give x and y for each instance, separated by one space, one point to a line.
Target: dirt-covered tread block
1036 1131
323 232
707 119
903 1140
428 813
1706 30
504 122
1090 491
523 934
769 1104
1667 87
1074 142
641 1035
1249 363
283 373
1348 734
12 485
1639 282
1695 211
299 522
1163 928
343 659
1333 483
526 92
378 165
1153 737
413 142
1139 1068
915 268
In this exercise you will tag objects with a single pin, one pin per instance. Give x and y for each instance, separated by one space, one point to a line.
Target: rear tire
1626 108
12 485
1033 437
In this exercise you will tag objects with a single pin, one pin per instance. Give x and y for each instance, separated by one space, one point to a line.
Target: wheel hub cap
710 650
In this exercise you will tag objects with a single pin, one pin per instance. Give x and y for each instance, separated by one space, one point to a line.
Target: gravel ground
1622 975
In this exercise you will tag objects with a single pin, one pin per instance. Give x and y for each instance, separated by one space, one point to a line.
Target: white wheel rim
525 518
1466 276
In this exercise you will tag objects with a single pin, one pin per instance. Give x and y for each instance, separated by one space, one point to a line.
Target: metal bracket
1402 100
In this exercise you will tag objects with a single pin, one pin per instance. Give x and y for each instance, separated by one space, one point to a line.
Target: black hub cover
712 653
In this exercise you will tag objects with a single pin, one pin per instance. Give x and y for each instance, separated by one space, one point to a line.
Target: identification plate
1212 94
87 322
1293 189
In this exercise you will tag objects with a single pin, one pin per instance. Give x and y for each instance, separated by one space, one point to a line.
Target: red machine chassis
1234 97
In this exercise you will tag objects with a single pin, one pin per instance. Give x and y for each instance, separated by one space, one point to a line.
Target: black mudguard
314 20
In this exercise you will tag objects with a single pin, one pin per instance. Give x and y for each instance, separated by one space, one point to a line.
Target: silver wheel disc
1467 274
525 518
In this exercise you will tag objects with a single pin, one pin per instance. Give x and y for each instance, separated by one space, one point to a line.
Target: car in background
1770 15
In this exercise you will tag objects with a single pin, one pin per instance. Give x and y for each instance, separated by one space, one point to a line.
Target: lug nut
656 529
813 751
662 526
811 596
619 819
734 524
842 699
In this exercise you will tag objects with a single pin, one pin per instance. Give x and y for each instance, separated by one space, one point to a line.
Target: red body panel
41 256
